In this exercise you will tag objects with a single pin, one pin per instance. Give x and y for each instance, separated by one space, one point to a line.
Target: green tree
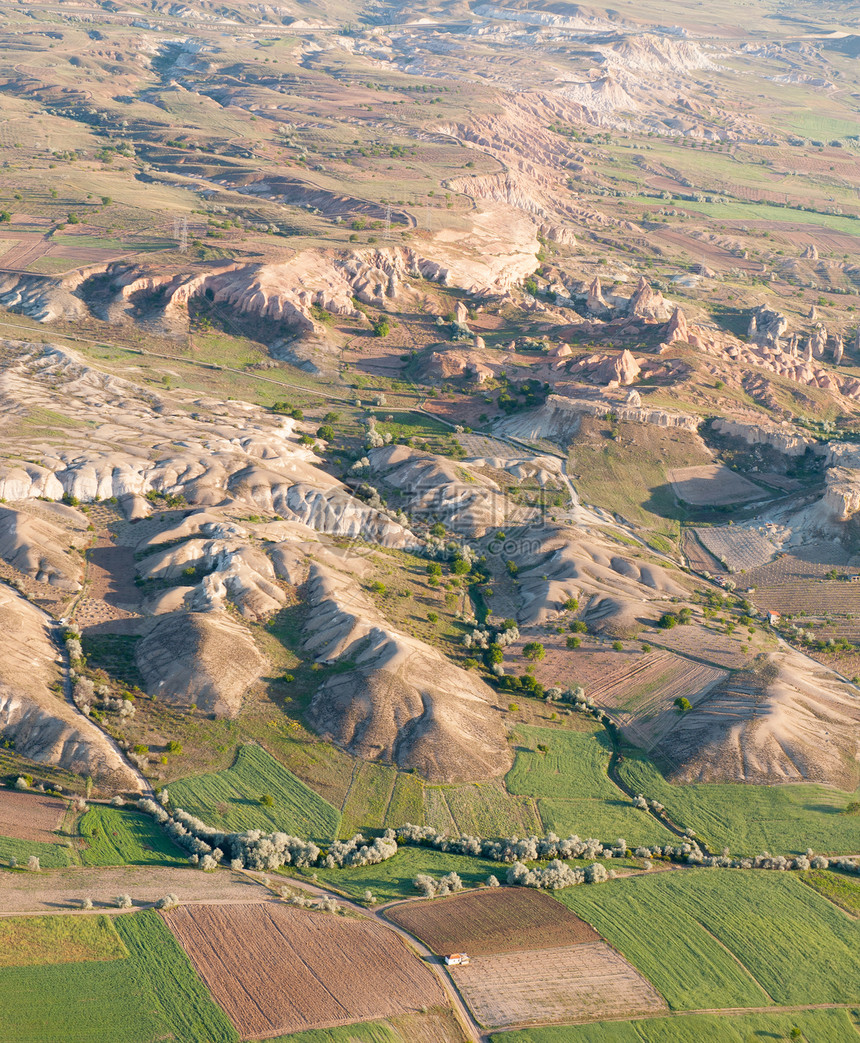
534 651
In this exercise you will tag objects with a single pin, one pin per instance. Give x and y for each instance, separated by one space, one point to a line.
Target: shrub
326 433
174 747
578 627
618 646
534 651
571 604
667 621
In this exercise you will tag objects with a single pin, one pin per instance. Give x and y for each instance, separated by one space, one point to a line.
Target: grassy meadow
749 819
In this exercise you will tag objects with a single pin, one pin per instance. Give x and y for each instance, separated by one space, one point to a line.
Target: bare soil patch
736 549
60 890
367 970
712 485
578 983
30 817
499 919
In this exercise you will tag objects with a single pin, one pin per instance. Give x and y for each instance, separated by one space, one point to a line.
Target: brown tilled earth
30 817
560 985
503 919
265 964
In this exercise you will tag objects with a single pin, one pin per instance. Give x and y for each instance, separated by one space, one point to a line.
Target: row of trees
255 850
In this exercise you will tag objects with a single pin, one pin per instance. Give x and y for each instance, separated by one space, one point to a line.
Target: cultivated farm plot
491 921
231 799
714 938
575 795
485 809
712 485
740 549
287 969
566 985
792 586
642 698
30 816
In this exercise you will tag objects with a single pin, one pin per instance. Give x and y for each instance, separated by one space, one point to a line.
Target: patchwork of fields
131 981
321 970
728 938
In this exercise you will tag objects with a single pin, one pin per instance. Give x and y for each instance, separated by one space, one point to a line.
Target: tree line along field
750 819
727 939
816 1026
230 799
139 987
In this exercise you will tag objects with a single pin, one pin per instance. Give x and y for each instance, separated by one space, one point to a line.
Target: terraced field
739 549
231 801
641 697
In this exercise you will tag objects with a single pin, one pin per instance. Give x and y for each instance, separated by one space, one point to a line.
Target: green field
407 802
230 800
710 939
817 1026
751 819
393 879
117 837
368 797
152 994
181 997
51 856
842 890
30 941
574 791
480 809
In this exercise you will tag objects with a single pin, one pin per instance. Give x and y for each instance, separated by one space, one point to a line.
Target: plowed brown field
500 919
563 985
29 816
276 969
